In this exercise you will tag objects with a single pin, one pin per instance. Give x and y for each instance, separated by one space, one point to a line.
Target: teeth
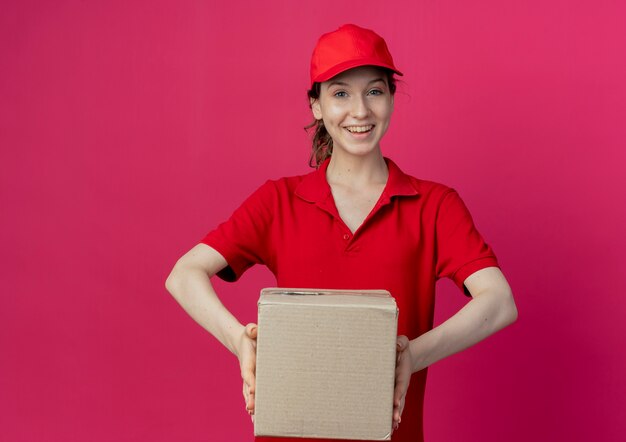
359 129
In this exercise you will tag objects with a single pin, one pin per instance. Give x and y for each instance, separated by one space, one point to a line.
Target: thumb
402 342
251 330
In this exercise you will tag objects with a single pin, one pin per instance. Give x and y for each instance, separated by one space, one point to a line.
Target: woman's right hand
246 352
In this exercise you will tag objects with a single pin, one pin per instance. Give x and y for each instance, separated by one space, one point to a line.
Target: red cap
346 48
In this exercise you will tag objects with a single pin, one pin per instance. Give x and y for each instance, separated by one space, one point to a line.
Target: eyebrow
341 83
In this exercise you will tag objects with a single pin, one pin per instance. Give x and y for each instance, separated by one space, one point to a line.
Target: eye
340 94
375 92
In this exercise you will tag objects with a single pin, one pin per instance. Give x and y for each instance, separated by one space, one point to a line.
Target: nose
360 108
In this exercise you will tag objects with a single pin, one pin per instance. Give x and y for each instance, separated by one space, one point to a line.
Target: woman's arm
189 283
491 308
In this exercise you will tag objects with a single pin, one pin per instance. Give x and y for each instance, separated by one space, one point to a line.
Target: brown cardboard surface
325 364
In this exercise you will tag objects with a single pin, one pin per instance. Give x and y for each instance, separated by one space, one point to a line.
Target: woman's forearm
193 290
484 315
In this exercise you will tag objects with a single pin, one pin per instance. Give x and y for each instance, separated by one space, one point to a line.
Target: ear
316 108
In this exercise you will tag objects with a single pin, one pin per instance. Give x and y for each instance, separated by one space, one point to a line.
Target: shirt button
346 236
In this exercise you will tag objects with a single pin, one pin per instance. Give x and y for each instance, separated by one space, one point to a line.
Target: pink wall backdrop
128 129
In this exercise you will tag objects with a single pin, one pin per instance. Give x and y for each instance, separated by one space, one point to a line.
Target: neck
356 171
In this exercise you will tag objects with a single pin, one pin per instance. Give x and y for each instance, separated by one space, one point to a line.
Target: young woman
356 222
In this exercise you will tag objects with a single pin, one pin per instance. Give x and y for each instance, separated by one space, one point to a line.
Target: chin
357 151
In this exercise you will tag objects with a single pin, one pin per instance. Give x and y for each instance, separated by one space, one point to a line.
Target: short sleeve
244 238
461 249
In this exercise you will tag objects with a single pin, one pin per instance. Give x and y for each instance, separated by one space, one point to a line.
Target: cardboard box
325 364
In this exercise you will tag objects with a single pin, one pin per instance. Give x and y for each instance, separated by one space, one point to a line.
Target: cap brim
342 67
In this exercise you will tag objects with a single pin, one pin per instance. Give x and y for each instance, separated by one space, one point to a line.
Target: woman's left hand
403 378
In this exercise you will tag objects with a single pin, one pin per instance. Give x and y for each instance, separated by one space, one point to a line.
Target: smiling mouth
359 129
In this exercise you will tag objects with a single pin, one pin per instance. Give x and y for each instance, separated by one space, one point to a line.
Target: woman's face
356 107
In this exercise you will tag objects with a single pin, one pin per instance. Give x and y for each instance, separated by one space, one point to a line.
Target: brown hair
322 141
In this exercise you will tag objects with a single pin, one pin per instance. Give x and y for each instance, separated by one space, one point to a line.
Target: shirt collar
315 189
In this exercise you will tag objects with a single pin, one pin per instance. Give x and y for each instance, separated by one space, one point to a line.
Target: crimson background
128 129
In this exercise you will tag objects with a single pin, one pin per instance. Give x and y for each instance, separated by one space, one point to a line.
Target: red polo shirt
418 232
